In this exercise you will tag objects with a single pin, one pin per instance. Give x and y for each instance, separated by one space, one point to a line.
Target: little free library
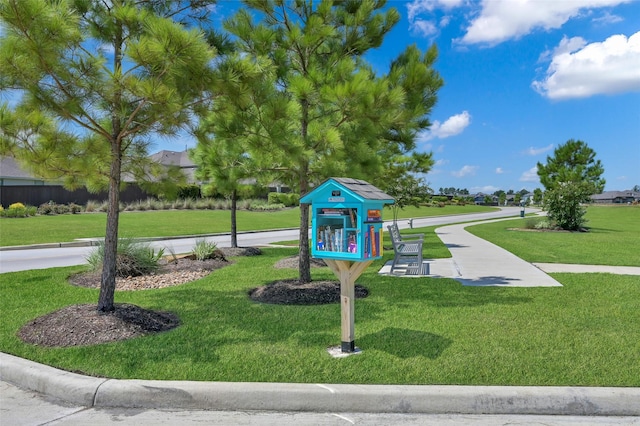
346 231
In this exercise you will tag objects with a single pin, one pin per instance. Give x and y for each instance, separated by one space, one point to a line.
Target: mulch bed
81 325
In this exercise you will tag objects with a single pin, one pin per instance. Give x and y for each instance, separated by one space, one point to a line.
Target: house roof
173 158
9 168
610 195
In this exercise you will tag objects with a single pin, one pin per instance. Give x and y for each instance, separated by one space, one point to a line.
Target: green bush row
287 199
18 210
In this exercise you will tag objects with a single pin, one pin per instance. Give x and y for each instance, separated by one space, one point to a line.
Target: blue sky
521 78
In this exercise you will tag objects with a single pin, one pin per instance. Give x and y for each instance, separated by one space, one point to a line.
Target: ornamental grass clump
133 258
204 250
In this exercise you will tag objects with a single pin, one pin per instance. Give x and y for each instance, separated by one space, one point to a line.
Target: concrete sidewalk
477 262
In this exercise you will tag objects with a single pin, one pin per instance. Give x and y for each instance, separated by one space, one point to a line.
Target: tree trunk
304 262
108 280
234 224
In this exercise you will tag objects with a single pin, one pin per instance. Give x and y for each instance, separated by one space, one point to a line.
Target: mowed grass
613 239
411 330
167 223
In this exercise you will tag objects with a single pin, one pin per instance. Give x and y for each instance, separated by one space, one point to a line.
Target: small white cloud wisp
452 126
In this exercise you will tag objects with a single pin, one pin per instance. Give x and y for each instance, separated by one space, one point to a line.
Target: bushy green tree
570 177
329 113
407 191
96 80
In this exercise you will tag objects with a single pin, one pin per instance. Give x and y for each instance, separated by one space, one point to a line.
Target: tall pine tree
96 81
331 115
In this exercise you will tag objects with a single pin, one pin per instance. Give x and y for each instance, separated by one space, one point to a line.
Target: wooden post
348 272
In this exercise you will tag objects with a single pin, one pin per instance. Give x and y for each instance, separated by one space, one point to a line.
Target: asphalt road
42 258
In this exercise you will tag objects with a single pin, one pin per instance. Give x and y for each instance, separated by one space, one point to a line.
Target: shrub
61 209
204 250
133 258
15 210
92 206
564 208
189 191
544 224
288 199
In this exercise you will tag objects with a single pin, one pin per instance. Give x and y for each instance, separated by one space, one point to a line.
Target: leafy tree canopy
573 162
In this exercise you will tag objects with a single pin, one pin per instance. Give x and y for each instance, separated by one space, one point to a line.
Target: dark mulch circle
291 292
81 325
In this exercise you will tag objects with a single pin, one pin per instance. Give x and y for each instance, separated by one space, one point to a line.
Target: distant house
19 185
480 197
180 159
616 197
11 174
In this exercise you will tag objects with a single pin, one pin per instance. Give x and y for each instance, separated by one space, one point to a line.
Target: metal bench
407 248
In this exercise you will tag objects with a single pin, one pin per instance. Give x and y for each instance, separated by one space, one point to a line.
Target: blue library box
346 219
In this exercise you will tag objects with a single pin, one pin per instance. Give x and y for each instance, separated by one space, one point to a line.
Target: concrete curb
225 396
60 384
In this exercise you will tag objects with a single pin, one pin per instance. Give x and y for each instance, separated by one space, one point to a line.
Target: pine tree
570 177
331 115
96 80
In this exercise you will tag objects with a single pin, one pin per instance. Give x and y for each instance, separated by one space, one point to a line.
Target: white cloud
487 189
501 20
499 170
431 26
423 28
579 70
530 175
537 151
465 171
439 163
608 18
452 126
417 7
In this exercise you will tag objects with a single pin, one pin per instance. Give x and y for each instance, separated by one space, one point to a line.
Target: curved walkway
477 262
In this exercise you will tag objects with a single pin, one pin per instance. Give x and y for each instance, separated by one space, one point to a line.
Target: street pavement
73 253
45 395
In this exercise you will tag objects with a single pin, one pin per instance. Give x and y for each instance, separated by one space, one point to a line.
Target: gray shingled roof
9 168
363 189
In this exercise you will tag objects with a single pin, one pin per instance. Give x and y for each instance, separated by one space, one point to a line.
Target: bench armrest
412 236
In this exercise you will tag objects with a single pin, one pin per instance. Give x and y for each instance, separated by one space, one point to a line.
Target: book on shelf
352 215
374 215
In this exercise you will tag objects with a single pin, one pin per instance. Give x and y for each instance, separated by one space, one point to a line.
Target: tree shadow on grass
405 343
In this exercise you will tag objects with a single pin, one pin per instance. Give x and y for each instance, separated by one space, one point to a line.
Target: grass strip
167 223
614 232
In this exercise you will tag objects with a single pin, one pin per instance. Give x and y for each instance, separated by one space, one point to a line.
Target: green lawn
54 229
613 239
411 330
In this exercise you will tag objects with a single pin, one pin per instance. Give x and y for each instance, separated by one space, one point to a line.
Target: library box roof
356 188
